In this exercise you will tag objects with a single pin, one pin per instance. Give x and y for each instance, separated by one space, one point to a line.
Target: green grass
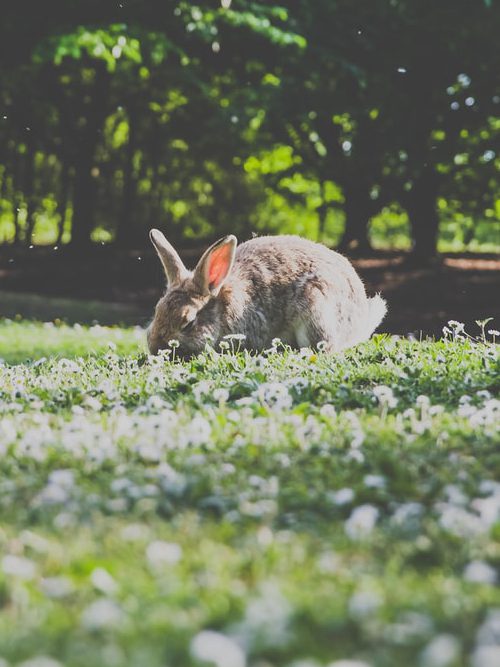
289 509
31 341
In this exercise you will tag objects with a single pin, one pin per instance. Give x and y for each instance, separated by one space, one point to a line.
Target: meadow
288 509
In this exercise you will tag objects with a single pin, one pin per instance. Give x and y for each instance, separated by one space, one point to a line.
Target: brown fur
278 287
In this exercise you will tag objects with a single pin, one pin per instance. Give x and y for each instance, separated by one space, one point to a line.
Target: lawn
290 509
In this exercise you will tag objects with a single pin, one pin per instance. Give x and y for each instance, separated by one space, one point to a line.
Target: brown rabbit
270 287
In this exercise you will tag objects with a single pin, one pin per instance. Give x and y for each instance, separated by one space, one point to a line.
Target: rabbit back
299 291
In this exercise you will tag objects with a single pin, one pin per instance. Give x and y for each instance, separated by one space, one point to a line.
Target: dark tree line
120 116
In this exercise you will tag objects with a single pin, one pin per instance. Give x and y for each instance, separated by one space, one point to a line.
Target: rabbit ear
172 263
215 265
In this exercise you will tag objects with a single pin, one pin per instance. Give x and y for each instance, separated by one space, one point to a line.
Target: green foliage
352 499
202 117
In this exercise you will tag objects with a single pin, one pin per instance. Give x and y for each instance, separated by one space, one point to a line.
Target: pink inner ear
218 267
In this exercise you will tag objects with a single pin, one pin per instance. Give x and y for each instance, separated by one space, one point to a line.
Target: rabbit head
191 310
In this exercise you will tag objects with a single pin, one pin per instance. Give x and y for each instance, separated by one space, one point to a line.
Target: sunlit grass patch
30 341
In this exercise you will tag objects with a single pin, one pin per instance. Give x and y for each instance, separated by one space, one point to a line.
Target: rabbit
270 287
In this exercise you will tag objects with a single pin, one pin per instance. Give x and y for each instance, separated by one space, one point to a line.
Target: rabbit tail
377 308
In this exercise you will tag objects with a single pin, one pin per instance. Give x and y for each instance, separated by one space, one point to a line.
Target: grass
18 305
289 509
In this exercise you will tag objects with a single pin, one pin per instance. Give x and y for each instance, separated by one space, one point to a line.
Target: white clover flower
274 395
197 432
173 343
328 411
298 383
489 632
458 521
35 541
92 403
355 454
255 629
486 656
134 532
342 496
479 572
375 481
160 554
442 651
407 515
64 478
423 401
220 395
349 663
103 581
102 614
217 649
40 661
457 327
364 603
56 587
361 522
68 365
385 396
18 566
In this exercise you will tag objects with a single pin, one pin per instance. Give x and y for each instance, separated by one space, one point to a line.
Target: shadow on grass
17 305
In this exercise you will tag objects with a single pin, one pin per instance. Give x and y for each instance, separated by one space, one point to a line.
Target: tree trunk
84 196
29 192
63 200
421 205
85 185
358 208
128 232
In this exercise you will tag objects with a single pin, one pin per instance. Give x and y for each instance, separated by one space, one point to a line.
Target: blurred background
372 126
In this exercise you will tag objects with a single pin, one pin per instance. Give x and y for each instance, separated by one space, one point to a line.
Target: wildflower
479 572
486 656
342 496
102 614
275 395
255 628
39 661
218 649
56 587
374 481
68 365
159 554
442 651
103 581
385 396
18 566
361 522
457 327
364 603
